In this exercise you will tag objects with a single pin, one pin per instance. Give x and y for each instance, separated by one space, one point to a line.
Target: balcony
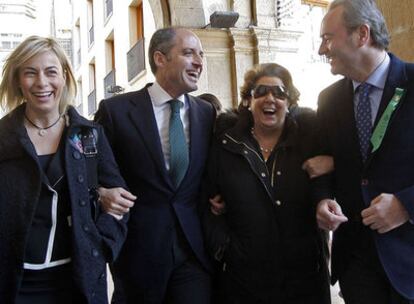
91 36
92 102
136 59
109 82
108 8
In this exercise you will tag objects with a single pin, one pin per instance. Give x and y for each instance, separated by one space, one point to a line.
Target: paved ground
336 299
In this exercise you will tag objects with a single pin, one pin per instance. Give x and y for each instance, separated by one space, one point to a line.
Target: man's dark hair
163 40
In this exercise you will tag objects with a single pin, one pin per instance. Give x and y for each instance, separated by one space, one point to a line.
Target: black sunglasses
277 91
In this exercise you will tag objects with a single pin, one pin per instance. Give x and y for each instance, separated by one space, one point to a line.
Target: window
108 8
136 55
109 80
91 36
6 45
92 90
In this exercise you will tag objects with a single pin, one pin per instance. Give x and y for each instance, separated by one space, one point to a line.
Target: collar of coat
13 134
237 124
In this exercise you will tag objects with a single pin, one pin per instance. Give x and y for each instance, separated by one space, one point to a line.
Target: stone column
276 45
244 56
217 77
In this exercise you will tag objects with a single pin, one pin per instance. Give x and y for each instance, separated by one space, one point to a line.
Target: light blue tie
179 158
364 119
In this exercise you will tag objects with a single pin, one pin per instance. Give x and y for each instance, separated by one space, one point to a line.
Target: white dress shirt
162 112
377 79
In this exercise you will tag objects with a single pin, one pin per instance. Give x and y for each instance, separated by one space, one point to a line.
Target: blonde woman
55 241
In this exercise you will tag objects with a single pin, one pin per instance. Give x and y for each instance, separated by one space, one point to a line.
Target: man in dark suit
367 124
160 136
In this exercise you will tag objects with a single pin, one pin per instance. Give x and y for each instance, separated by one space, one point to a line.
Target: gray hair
358 12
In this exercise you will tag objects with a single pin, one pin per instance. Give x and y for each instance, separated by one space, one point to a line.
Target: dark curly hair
267 70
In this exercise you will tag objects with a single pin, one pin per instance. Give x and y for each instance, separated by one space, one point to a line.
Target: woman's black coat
94 241
267 240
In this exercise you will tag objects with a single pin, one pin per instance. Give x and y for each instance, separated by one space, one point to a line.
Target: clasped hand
116 201
385 213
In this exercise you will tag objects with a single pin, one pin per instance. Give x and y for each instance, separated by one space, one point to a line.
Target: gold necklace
263 149
41 131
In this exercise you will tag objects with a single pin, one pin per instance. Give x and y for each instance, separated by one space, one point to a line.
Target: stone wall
285 32
399 16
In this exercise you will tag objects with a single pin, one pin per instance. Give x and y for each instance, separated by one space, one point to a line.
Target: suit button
82 203
278 203
245 152
263 174
224 141
364 182
102 276
95 253
86 228
76 155
80 178
278 173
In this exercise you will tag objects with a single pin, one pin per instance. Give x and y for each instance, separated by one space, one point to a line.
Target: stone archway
187 13
161 12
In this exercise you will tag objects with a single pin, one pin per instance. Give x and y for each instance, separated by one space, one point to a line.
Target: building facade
22 18
111 40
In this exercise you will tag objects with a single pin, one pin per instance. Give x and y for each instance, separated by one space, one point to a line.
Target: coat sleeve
406 196
216 232
113 231
103 117
322 186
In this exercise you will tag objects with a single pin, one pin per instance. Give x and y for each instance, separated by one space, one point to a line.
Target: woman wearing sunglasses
267 239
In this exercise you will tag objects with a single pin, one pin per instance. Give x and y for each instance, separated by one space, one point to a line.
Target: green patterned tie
179 158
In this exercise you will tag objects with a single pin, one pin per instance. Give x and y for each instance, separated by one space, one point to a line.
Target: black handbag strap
89 137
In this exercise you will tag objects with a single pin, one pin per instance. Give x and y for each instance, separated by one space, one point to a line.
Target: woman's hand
217 205
116 201
318 165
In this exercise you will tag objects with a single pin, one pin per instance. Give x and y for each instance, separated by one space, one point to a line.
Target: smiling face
41 81
179 71
269 112
338 45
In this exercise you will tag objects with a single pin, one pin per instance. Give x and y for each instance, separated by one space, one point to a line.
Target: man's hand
318 165
329 215
385 213
116 201
217 205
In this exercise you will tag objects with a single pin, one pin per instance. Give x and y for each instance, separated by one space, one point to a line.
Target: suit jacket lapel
195 130
143 117
346 117
397 78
